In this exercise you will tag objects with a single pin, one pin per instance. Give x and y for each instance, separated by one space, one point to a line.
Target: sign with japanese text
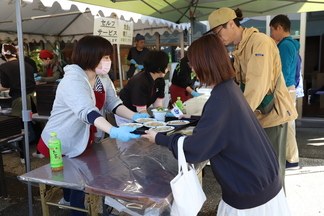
126 32
114 30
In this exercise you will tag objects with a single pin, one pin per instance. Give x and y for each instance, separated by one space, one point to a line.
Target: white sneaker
22 160
63 202
34 154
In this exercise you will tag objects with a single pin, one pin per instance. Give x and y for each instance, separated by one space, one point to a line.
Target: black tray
193 122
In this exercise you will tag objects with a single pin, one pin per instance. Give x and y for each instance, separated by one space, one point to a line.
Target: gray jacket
73 101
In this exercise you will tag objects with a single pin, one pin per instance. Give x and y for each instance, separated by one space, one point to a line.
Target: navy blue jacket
241 156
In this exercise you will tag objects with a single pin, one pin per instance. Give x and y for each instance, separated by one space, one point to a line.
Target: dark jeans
76 199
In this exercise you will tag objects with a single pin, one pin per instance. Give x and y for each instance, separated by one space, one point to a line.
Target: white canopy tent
39 23
51 20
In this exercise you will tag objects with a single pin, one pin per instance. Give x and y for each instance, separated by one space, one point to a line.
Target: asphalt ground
304 187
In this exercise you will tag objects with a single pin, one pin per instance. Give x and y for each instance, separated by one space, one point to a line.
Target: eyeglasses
217 33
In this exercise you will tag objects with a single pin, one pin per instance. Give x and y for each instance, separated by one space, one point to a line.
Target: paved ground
304 187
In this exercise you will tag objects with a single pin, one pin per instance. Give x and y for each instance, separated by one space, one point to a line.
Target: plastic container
195 105
179 103
204 90
56 160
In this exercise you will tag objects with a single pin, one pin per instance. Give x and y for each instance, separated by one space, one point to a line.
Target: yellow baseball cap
219 17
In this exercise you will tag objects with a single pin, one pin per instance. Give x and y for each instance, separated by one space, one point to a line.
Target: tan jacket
257 58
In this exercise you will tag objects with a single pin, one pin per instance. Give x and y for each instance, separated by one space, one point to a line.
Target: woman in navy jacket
229 135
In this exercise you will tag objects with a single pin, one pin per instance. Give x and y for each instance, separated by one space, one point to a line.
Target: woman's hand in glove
195 94
132 61
39 78
140 67
123 133
168 114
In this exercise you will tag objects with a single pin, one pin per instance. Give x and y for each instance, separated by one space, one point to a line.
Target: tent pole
119 66
25 112
182 44
192 25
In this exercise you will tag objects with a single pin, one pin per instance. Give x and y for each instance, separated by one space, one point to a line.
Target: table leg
42 190
2 179
93 204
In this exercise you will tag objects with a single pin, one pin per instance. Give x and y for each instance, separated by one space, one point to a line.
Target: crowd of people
247 123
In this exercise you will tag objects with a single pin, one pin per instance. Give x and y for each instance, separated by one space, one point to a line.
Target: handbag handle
182 163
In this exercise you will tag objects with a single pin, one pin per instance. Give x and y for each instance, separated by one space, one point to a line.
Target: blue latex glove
39 78
35 75
123 133
140 115
195 94
140 67
132 61
58 80
168 114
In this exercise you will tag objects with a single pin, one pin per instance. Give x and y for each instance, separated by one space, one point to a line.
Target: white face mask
105 68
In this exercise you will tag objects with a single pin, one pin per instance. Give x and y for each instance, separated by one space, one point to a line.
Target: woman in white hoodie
82 98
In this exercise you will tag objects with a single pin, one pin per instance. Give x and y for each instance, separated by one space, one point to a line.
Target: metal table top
138 172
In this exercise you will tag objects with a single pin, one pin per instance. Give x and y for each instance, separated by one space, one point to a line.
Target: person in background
288 48
52 69
258 67
82 99
10 80
31 62
136 55
183 81
240 153
146 87
26 57
37 126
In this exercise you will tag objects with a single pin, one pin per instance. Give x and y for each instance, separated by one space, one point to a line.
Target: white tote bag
188 196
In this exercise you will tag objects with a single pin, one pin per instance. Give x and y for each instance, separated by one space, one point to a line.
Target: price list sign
114 30
126 32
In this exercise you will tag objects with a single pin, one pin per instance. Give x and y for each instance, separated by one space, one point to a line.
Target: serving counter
134 174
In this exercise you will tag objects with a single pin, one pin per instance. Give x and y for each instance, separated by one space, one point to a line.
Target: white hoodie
74 100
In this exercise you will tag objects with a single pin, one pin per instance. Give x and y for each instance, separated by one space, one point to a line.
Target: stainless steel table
136 174
37 117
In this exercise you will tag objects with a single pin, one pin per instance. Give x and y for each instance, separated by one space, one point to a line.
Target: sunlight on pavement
316 141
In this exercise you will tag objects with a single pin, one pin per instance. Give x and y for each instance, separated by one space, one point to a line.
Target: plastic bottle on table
126 60
170 57
54 145
179 103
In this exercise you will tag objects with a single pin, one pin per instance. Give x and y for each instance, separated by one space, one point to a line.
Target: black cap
139 37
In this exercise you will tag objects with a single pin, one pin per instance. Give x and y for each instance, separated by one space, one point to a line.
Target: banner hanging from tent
115 30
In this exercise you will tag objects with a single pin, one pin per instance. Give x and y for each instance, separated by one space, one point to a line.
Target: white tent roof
65 20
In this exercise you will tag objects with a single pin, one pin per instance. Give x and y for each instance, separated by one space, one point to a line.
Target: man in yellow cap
258 67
